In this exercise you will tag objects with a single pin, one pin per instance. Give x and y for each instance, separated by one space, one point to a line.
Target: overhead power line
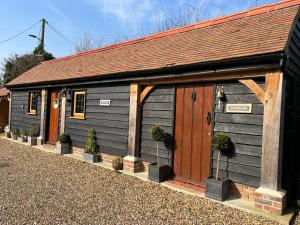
20 33
60 34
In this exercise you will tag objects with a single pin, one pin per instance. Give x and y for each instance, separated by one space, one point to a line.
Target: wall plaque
238 108
105 102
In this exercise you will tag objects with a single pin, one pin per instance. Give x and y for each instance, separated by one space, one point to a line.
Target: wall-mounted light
220 95
66 92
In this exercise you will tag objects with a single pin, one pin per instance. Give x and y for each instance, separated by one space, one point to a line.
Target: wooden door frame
48 110
213 84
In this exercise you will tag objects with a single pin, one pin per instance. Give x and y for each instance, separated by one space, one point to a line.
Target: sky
102 19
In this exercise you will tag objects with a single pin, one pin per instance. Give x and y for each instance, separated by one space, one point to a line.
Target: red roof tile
257 31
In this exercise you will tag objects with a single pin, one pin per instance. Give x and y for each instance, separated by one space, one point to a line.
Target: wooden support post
272 145
41 138
9 112
273 131
134 120
132 163
63 113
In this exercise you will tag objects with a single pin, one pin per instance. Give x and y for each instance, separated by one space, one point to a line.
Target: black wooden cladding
158 109
291 153
109 122
246 133
19 108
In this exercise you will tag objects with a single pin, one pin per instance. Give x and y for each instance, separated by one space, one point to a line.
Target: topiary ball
64 138
158 134
222 143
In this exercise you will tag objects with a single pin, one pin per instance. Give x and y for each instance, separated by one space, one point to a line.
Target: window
32 102
78 104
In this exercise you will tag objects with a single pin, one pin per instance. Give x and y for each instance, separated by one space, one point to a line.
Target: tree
87 42
16 65
39 51
189 12
19 64
186 13
1 81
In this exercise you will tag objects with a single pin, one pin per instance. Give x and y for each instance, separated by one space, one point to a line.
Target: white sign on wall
238 108
105 102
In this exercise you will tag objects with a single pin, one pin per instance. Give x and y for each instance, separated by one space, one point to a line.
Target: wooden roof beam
255 88
145 93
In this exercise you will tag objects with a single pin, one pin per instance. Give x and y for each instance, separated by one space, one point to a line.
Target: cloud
56 10
133 12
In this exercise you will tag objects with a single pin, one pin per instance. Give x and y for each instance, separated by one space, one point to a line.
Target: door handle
208 117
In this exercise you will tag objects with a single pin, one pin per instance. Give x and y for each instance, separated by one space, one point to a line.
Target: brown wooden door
192 133
53 118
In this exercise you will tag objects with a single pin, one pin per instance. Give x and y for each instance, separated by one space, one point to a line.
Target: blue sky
102 19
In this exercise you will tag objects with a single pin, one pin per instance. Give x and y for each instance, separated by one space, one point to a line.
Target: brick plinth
242 191
78 151
107 158
40 141
271 201
132 164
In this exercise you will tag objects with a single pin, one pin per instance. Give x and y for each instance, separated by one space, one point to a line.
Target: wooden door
53 117
192 133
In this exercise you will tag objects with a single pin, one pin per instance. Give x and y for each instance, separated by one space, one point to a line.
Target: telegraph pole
43 34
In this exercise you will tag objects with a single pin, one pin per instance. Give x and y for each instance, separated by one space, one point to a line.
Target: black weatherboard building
237 75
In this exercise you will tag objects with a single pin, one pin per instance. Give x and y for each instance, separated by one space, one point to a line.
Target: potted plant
117 163
8 134
63 144
216 187
22 135
158 172
14 134
32 136
90 149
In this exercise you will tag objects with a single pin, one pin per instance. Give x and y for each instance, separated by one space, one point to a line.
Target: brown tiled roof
4 91
257 31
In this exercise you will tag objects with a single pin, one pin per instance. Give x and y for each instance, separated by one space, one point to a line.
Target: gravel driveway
43 188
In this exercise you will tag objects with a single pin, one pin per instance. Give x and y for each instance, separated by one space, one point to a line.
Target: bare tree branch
87 42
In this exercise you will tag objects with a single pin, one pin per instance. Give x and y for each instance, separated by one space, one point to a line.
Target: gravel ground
43 188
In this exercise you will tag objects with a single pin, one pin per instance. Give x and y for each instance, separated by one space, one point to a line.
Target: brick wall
265 202
271 204
242 191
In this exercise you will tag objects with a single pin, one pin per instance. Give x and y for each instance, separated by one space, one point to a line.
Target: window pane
33 101
79 104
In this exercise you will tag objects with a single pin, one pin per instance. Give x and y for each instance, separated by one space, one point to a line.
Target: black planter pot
159 173
62 148
217 189
14 136
91 157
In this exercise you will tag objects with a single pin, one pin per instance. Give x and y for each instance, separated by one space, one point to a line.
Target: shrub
91 142
223 144
64 138
8 135
15 131
21 132
158 135
117 163
32 132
